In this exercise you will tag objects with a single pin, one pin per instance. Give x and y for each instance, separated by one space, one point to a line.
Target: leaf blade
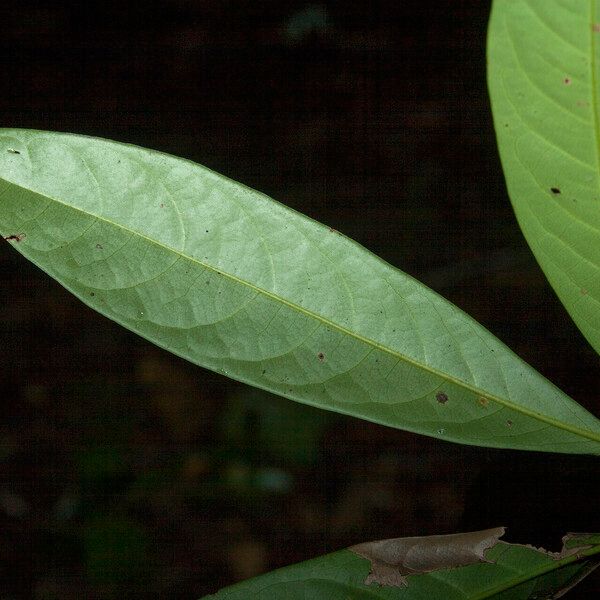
495 570
234 281
543 80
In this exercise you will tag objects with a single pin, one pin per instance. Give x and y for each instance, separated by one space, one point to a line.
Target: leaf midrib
340 328
538 572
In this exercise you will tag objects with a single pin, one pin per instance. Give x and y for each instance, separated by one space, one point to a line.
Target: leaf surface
543 76
467 566
238 283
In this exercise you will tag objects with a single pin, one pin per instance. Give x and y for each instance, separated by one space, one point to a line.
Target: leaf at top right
544 78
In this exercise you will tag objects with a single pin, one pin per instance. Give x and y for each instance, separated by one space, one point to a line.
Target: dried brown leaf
391 560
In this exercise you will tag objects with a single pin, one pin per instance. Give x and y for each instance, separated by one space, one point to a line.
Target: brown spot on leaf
567 81
596 27
321 356
583 292
162 205
482 401
509 423
555 190
441 397
392 560
15 237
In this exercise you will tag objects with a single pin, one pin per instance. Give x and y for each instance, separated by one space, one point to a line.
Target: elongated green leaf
470 566
544 73
232 280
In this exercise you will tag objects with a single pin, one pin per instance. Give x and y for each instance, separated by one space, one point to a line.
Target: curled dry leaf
391 560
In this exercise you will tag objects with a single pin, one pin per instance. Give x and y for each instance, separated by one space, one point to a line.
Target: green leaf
232 280
470 566
544 72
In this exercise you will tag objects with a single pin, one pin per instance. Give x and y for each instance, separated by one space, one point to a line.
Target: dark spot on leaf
505 124
583 292
264 371
509 423
162 205
206 230
482 401
100 246
567 81
92 294
15 237
321 356
207 282
441 397
11 151
555 190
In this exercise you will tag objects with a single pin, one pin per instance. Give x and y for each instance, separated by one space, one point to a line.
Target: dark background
126 472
